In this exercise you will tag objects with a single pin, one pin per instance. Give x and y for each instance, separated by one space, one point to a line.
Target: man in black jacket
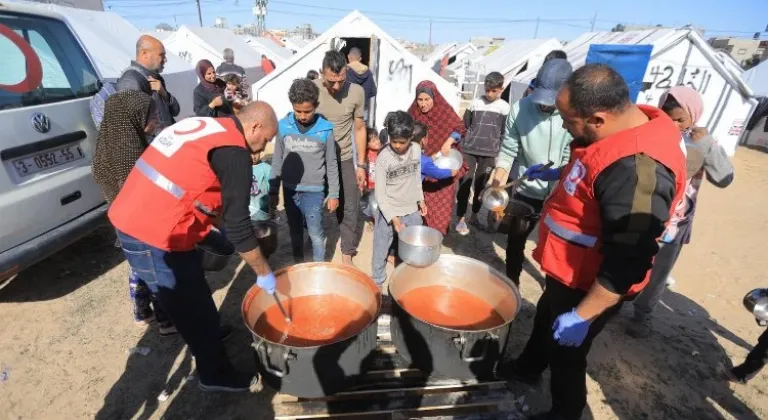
144 75
359 74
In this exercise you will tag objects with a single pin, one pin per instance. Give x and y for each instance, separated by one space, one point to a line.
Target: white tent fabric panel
269 48
757 79
110 42
513 55
399 71
193 44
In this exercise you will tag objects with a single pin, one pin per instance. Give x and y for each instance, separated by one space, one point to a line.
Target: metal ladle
285 315
496 199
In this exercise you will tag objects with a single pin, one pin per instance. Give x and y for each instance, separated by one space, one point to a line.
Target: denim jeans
383 234
300 207
178 281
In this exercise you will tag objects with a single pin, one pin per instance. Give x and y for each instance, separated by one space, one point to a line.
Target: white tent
679 57
396 69
110 42
511 58
262 45
193 44
439 52
294 44
757 79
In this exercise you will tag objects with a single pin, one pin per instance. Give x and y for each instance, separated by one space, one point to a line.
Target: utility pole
536 31
175 22
199 13
594 19
430 33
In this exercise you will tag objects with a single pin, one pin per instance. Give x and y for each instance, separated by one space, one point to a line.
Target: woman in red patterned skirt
445 131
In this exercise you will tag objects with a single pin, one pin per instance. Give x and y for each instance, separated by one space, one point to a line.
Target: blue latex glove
535 172
267 282
570 329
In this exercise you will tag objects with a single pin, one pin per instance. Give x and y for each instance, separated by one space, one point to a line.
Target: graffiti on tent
400 71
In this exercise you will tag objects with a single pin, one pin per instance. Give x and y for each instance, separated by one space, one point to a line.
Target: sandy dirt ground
66 329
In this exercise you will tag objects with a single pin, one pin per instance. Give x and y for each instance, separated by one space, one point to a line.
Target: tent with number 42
678 57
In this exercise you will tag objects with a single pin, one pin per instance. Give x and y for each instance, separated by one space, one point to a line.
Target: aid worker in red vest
598 229
193 171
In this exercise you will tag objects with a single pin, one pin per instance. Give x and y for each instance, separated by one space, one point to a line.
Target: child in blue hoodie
428 167
304 160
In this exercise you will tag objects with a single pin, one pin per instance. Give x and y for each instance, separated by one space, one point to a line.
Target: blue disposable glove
267 282
570 329
536 172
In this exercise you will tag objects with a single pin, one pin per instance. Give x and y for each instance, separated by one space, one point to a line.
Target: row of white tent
679 57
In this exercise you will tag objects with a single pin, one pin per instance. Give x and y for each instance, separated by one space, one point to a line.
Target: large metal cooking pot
313 371
266 234
215 251
451 352
756 302
419 246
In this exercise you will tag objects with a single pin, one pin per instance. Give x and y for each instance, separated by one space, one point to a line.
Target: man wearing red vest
193 171
598 230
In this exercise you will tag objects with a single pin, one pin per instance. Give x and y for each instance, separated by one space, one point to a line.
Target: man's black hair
419 131
669 104
334 61
304 90
597 87
399 125
556 54
494 80
312 75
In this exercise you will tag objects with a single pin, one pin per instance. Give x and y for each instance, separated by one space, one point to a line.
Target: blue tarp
630 61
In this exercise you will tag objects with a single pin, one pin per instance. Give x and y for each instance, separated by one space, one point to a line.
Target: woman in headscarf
445 131
208 97
704 157
129 116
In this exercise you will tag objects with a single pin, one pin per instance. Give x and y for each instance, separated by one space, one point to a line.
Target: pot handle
265 352
465 347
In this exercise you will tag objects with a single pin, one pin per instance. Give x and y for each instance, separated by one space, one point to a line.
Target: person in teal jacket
259 204
534 136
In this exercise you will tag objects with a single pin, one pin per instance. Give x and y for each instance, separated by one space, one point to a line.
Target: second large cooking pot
453 317
333 308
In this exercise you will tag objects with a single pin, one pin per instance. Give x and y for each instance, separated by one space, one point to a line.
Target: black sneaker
235 382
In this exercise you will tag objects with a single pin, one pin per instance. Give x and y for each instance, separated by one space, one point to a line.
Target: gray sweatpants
647 300
383 233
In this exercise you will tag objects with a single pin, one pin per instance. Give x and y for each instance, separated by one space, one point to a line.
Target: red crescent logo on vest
577 173
34 68
200 127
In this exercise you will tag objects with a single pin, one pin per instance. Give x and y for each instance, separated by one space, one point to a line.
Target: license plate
45 160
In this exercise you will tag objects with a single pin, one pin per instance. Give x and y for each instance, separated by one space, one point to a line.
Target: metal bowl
419 246
266 234
452 161
215 251
495 198
373 205
756 302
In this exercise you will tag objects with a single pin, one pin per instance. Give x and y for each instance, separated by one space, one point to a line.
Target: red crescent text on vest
170 140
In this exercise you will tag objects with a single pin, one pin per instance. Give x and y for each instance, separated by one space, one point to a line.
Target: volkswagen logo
41 122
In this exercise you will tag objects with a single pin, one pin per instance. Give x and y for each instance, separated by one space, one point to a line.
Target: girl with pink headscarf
705 157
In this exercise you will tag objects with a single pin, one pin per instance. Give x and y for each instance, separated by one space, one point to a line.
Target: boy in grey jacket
534 136
303 161
398 189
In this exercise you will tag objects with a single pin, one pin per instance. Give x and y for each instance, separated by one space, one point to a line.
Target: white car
48 198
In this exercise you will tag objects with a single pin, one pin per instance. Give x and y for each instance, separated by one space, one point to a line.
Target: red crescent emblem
34 68
200 127
580 172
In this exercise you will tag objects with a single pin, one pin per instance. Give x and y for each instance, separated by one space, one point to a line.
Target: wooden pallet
391 390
